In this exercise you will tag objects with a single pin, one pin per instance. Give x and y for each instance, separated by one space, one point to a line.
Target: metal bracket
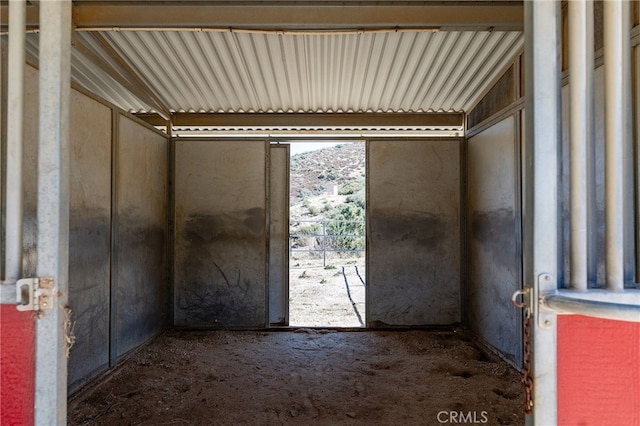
35 294
545 316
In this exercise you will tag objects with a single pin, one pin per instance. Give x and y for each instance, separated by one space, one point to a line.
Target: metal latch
35 294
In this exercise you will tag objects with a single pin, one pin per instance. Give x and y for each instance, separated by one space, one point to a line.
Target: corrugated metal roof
94 78
234 72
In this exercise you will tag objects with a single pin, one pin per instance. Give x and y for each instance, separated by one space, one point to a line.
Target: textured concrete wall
221 247
413 243
140 271
89 235
139 311
279 234
89 223
493 256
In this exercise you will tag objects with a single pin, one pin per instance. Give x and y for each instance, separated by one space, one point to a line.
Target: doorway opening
327 238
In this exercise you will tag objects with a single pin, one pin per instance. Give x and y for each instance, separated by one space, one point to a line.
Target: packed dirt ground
305 377
327 296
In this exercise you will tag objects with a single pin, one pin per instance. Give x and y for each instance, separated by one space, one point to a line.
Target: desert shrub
351 187
313 229
342 223
358 199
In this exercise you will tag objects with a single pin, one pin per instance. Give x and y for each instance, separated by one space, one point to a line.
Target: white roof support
53 210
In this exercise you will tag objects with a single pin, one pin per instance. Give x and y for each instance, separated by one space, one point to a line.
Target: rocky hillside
328 184
312 173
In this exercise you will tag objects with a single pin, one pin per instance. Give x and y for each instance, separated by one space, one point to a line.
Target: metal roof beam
312 120
292 16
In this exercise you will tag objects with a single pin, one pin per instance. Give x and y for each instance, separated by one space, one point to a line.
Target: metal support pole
53 209
628 165
581 136
614 144
15 136
541 201
324 243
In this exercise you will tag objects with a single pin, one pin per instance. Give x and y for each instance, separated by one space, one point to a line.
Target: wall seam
113 281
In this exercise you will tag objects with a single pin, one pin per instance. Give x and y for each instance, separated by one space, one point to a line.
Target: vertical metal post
628 165
53 209
15 137
581 136
636 154
541 166
324 242
614 144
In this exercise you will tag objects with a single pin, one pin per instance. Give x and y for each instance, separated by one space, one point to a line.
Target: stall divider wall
140 271
414 227
221 233
494 210
117 263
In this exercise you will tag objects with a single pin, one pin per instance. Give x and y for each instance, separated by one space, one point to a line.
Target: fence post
324 243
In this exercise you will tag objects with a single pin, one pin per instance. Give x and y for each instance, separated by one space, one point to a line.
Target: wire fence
327 236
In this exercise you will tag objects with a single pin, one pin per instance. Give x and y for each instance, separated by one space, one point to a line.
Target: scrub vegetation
329 185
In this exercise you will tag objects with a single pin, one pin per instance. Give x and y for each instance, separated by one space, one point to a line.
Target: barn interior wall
494 271
220 264
97 284
493 216
414 232
139 295
221 233
89 235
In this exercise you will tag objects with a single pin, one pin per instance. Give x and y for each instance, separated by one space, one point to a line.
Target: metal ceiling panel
199 71
236 72
93 78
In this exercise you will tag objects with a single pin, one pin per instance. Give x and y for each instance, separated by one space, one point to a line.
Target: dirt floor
327 296
305 377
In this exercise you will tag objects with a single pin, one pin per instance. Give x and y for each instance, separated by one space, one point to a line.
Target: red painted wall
17 366
598 371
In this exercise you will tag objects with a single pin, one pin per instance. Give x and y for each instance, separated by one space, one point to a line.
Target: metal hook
514 299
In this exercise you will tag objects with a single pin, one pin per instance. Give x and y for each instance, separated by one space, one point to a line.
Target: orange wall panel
598 371
17 366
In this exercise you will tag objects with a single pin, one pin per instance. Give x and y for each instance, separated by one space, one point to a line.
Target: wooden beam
32 18
288 15
311 120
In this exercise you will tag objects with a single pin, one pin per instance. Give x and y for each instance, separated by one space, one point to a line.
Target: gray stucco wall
89 236
494 272
141 306
89 224
140 271
413 242
220 233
